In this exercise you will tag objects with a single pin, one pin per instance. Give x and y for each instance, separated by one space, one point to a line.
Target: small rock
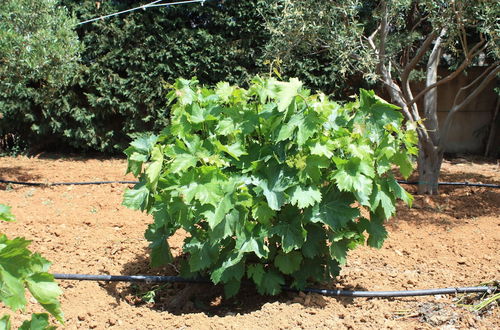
411 282
307 300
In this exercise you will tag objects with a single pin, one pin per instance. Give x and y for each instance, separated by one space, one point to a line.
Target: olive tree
39 52
396 43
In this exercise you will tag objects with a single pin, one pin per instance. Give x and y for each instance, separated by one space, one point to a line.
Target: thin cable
326 292
148 5
119 13
177 3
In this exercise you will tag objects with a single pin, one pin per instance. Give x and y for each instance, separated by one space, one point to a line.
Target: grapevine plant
273 184
20 269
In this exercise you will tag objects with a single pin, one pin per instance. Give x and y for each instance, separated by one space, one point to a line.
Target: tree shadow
16 173
78 156
454 205
186 298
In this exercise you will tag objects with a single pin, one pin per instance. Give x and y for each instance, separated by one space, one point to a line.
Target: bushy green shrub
269 181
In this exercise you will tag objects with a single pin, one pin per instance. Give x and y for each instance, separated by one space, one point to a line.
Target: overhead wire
144 7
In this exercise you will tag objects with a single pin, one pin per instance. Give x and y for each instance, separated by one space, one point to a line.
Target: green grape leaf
222 208
315 242
271 283
350 177
183 162
334 211
233 267
5 322
321 149
256 273
248 243
303 198
39 321
263 213
154 168
12 287
338 251
137 198
381 195
307 128
399 192
288 263
5 213
201 255
227 227
287 91
43 287
292 235
376 230
231 288
287 129
144 143
404 163
160 250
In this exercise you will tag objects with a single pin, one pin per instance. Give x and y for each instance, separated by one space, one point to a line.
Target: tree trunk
430 157
429 165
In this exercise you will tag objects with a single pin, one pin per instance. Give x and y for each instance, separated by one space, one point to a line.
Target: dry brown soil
450 240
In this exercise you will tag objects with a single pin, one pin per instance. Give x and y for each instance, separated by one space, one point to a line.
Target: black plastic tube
66 183
388 294
326 292
129 278
468 184
444 183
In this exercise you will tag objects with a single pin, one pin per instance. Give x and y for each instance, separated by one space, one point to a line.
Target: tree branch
418 56
474 52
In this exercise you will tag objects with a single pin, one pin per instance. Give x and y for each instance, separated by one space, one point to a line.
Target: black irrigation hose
325 292
468 184
65 183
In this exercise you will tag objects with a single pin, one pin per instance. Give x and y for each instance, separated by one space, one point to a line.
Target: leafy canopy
269 181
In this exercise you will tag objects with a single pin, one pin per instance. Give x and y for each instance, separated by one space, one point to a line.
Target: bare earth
450 240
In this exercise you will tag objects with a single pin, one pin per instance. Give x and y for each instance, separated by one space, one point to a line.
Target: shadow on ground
183 298
16 173
454 204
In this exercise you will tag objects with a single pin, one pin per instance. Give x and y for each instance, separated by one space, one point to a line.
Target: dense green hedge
128 60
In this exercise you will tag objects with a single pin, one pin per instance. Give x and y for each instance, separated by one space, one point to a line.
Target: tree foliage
38 56
269 181
397 43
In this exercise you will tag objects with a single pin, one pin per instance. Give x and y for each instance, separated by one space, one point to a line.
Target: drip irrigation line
130 278
325 292
444 183
468 184
42 184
